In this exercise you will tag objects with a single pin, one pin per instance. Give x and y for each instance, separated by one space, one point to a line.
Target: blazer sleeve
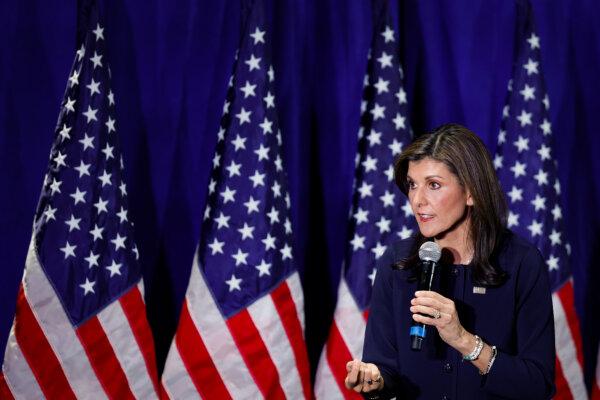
529 374
380 337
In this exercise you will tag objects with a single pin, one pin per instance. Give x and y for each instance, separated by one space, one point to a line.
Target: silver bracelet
491 362
472 356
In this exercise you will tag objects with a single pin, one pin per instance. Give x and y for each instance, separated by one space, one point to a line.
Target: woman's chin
428 233
429 228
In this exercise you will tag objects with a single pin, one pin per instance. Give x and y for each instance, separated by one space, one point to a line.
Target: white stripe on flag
141 289
218 340
175 379
267 321
18 375
326 386
566 351
120 335
58 330
349 320
295 287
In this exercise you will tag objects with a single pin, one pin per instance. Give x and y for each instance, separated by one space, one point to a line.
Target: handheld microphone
429 254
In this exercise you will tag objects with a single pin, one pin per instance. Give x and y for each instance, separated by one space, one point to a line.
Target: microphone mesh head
430 251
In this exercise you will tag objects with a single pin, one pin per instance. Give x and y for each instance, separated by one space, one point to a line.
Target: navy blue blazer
515 317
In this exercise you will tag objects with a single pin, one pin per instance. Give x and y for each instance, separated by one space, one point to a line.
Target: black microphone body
429 253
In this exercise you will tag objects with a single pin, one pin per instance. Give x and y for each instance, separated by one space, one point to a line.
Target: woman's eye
434 185
411 185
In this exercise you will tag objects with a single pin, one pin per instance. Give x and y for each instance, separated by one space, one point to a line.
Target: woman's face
437 199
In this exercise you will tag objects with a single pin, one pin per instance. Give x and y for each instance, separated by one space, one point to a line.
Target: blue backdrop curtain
170 65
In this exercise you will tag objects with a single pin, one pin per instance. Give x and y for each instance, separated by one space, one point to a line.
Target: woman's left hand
435 305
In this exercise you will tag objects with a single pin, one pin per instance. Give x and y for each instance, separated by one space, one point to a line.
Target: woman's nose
418 198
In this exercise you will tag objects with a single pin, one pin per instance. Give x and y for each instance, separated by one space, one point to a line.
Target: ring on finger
371 381
437 314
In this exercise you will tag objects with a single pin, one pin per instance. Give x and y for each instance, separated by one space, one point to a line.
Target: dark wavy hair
467 158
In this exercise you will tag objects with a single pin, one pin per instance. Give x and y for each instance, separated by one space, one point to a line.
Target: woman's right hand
363 377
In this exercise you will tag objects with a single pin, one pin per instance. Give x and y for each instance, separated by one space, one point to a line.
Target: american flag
375 221
528 173
241 327
80 328
596 382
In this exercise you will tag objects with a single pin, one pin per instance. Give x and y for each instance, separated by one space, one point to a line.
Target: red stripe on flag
255 354
566 296
563 392
134 309
282 298
197 360
5 392
337 357
39 355
163 393
104 360
595 391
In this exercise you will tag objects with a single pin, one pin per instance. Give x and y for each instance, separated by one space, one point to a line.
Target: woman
490 329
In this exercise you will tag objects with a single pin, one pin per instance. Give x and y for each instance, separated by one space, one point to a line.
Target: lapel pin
478 290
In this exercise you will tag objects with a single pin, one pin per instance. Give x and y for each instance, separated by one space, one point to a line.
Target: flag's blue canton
525 163
83 233
377 218
246 240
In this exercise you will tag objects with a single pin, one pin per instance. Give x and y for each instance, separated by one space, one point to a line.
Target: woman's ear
469 199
